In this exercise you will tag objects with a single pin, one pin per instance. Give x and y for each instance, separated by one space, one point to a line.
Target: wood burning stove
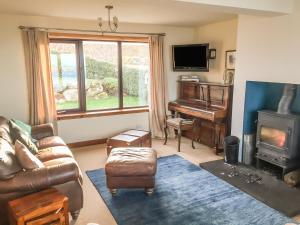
278 139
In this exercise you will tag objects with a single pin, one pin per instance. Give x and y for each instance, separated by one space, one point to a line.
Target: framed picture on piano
229 76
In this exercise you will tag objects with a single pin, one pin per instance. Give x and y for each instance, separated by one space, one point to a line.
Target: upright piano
210 104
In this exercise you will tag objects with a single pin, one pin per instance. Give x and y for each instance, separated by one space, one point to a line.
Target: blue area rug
185 194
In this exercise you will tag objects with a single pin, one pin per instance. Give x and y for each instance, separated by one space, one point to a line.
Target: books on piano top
190 78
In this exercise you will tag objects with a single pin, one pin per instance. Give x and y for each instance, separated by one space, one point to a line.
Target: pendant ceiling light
112 25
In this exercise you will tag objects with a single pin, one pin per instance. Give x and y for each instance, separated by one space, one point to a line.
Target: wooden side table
45 207
145 137
130 138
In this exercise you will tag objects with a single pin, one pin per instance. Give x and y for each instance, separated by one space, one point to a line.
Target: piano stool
179 124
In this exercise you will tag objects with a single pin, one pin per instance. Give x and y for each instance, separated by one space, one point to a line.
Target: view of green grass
103 103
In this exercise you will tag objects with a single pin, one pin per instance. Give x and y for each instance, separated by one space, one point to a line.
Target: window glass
101 74
135 68
64 75
99 85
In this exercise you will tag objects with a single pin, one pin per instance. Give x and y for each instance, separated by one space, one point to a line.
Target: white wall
221 36
100 127
256 7
267 50
13 89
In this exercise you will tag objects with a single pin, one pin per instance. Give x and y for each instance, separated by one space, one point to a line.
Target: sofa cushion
17 133
4 130
26 159
48 142
41 131
9 164
59 161
4 134
54 153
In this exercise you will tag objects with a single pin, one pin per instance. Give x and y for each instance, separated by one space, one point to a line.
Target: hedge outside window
99 75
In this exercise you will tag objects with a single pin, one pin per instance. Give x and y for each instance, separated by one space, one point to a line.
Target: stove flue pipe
289 94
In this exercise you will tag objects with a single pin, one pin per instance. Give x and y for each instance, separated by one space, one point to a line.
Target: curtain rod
91 31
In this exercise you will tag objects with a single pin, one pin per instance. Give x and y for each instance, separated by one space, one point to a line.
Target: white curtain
158 87
42 108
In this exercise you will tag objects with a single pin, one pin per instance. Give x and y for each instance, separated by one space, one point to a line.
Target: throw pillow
26 159
9 164
17 133
24 126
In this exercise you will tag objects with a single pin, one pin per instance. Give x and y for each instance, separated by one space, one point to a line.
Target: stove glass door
272 136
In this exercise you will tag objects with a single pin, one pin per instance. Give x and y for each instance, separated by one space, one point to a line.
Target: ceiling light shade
112 25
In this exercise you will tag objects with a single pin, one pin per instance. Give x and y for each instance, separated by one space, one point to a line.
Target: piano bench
180 125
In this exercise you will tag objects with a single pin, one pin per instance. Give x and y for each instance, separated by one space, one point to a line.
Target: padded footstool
131 167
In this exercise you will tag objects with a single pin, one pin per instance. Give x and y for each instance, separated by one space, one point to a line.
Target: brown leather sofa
61 171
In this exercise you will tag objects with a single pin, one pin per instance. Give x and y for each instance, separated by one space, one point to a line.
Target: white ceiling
165 12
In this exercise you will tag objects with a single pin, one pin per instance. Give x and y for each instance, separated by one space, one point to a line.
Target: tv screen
190 57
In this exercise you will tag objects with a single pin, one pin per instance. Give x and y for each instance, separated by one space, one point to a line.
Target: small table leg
66 212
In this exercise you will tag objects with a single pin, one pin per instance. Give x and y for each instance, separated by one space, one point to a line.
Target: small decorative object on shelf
230 60
212 53
195 78
229 76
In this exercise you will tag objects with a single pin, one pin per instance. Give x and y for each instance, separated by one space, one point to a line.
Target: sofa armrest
41 178
41 131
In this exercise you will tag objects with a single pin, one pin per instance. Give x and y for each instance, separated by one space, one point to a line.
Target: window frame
78 40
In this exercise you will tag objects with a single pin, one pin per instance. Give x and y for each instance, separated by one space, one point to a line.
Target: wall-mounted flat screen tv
192 57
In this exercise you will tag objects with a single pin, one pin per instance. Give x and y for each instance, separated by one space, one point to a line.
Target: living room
263 37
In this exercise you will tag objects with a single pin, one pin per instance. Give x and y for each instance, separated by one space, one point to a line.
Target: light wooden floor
95 211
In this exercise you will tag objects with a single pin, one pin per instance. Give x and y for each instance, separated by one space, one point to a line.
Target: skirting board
87 143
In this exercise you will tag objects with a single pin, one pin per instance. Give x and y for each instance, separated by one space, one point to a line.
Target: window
101 74
135 68
92 75
65 75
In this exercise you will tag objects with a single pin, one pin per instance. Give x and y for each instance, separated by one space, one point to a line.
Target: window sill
69 116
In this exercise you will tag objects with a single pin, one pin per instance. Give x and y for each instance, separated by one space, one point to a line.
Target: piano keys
208 113
210 104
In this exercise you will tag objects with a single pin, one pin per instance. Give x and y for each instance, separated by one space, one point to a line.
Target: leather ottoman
131 167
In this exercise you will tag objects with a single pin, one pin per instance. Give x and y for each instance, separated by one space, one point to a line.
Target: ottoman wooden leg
113 191
149 191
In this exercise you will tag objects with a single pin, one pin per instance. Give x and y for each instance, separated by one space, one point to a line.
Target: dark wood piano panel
211 104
